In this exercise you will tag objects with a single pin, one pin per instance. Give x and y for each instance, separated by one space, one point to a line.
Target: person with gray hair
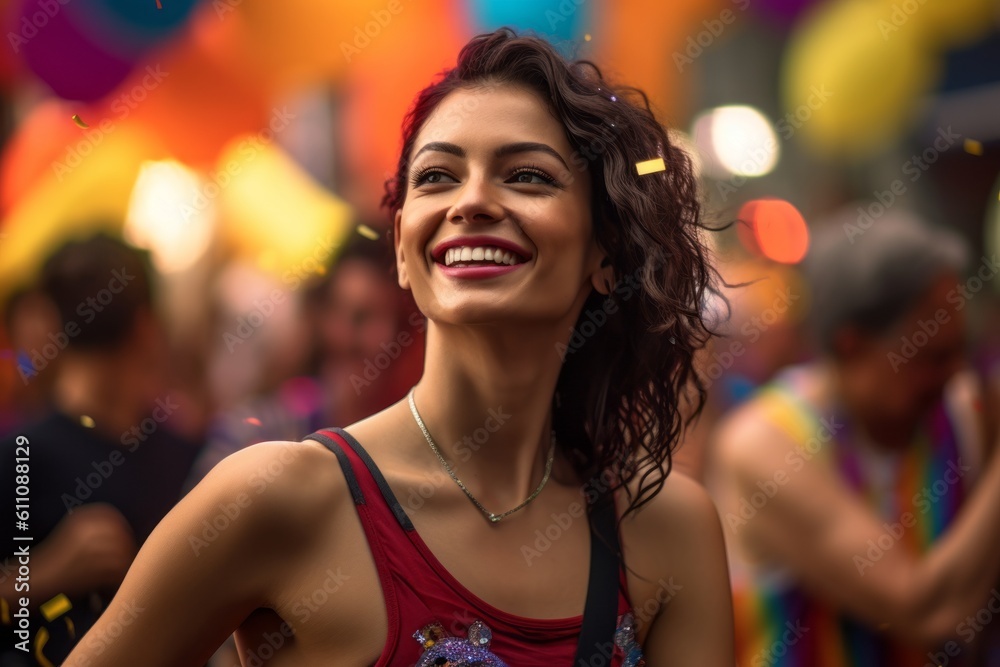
858 532
870 282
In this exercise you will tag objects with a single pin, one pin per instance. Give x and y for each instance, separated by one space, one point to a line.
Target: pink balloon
73 66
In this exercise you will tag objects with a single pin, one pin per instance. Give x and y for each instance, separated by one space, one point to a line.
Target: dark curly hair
619 410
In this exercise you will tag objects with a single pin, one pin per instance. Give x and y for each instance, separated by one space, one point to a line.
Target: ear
404 280
603 278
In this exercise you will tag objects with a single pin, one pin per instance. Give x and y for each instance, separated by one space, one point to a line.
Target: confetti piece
973 147
87 421
252 420
41 639
587 37
158 5
650 166
55 607
70 627
368 232
79 121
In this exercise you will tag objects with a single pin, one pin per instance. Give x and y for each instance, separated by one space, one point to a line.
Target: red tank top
433 619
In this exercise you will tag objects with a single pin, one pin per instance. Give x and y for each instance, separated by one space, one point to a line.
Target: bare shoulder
746 442
676 525
231 544
679 576
282 486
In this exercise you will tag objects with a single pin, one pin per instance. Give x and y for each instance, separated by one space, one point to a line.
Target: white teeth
479 254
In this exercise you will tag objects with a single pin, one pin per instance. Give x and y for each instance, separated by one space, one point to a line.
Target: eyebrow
502 151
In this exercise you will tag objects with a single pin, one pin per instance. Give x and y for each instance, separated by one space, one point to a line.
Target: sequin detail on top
440 649
625 643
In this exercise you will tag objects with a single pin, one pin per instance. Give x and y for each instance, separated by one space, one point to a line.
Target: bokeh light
779 230
170 215
736 140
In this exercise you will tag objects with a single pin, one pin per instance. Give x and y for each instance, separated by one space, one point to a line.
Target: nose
475 202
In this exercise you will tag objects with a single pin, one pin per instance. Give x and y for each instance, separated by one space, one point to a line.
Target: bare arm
816 527
206 566
684 543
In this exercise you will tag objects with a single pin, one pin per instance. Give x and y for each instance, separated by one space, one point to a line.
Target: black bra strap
600 616
390 497
345 464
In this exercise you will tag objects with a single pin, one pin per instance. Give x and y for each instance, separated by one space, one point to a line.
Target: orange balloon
654 45
292 44
383 81
191 104
36 147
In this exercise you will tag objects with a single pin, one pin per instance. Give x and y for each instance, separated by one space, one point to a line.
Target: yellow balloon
850 85
275 214
941 23
86 191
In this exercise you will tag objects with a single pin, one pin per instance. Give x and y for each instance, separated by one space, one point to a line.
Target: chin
490 312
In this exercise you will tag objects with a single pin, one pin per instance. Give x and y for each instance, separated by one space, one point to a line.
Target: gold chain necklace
489 515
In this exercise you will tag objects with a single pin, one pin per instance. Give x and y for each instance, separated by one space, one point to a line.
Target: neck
860 399
95 386
486 397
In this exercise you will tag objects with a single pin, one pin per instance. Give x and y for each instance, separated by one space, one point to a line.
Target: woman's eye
532 178
429 176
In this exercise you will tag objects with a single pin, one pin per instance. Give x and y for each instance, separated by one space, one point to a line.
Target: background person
857 535
367 342
104 465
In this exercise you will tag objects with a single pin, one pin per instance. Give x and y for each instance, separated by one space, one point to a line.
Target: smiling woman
562 290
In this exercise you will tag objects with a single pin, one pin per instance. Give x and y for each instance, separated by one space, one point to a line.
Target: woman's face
495 227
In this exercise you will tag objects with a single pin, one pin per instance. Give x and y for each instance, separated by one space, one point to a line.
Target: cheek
565 228
414 235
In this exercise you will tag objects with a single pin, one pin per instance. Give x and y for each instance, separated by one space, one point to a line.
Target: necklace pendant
493 518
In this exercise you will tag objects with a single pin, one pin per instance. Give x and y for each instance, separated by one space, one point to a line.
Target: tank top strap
386 526
374 476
